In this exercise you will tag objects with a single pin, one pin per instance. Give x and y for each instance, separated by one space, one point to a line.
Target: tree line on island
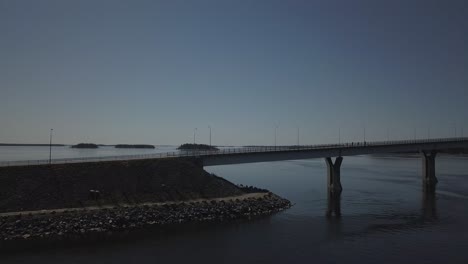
190 146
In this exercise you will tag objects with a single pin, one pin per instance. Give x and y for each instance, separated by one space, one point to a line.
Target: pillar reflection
333 205
429 204
334 224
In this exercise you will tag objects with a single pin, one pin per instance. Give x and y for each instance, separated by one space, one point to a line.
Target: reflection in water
334 215
428 205
395 222
334 205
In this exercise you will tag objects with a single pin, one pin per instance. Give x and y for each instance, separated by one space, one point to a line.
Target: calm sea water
385 218
16 153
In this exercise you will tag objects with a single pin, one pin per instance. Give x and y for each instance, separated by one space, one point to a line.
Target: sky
150 72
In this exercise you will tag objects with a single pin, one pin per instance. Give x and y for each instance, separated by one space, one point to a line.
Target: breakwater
50 203
65 223
30 188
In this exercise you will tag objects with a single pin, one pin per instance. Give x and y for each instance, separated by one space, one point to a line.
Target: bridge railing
230 151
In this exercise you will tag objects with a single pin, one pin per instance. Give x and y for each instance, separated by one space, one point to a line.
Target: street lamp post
298 136
364 134
210 134
276 127
50 146
339 135
194 134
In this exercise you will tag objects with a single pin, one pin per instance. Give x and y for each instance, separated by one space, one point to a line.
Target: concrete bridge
333 154
427 148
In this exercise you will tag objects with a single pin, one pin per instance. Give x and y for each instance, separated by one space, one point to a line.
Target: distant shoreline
137 146
31 145
85 146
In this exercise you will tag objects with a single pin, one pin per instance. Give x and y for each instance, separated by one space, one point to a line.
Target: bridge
428 148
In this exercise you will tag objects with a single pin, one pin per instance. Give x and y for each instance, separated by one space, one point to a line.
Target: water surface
385 218
22 153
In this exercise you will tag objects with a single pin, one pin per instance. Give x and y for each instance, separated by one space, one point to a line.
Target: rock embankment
29 188
70 223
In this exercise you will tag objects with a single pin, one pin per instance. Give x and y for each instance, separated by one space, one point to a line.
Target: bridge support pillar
333 181
428 170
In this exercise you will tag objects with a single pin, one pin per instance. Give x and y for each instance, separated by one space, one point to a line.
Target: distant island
86 146
188 146
30 145
138 146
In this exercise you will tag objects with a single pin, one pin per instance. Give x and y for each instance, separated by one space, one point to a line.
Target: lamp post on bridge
298 136
364 135
50 146
276 128
339 135
210 134
194 134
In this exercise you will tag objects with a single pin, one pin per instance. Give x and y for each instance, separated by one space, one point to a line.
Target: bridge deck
337 150
268 153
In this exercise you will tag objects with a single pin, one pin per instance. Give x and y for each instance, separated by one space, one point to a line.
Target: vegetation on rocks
85 146
189 146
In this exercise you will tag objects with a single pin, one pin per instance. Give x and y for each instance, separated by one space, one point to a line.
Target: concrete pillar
334 182
428 170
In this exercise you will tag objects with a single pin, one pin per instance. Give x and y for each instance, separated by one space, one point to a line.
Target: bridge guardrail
229 151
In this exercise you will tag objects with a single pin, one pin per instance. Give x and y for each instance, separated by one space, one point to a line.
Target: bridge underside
428 155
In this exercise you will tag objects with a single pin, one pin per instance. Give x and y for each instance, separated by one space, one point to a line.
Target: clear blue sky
151 71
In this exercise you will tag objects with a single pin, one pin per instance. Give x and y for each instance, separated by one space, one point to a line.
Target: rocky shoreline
71 223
